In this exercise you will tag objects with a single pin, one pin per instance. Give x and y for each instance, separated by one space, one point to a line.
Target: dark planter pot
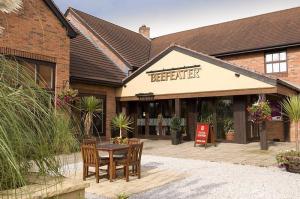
293 165
176 137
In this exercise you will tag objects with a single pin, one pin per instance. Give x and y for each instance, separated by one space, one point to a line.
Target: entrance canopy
179 72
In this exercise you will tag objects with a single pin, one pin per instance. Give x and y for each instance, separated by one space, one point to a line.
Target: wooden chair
133 159
91 158
90 141
134 141
122 154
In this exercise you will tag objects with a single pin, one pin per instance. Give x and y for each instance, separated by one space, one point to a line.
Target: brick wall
292 137
256 61
37 31
275 130
109 92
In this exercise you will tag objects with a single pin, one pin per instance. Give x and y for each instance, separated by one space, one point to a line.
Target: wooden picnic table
111 149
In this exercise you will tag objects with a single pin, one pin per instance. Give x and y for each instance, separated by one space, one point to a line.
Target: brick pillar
292 137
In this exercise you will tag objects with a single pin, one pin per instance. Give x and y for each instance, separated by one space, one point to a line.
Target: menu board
202 133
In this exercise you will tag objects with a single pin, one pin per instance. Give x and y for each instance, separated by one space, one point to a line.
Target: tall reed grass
32 132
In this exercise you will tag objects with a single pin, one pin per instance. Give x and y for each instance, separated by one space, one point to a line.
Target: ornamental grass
32 132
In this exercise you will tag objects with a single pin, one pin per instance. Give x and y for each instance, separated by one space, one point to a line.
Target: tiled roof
131 46
263 31
88 62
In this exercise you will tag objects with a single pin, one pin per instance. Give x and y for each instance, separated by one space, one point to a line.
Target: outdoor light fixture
237 74
145 96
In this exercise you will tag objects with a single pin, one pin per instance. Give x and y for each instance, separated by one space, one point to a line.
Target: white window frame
279 65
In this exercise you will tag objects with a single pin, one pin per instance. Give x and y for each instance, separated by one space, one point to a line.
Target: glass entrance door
154 118
224 111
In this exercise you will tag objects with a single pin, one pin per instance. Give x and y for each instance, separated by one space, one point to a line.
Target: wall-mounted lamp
237 74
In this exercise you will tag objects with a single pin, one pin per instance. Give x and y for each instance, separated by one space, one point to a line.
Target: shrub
228 125
282 157
291 107
175 124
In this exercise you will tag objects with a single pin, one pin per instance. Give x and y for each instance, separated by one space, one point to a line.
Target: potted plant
207 119
90 105
122 123
291 159
260 112
229 129
175 126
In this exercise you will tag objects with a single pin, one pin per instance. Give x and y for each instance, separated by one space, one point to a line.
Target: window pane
46 76
283 67
283 56
30 69
269 68
276 68
276 57
268 57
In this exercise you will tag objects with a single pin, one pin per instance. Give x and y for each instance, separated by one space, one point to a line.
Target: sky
169 16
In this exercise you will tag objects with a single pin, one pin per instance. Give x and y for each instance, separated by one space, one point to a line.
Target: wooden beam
240 119
262 130
236 92
192 118
177 107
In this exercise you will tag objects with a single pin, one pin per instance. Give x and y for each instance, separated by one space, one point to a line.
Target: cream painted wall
212 78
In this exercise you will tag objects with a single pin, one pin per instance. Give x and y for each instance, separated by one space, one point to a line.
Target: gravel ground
219 180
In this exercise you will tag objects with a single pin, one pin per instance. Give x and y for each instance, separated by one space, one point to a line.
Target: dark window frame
37 63
275 62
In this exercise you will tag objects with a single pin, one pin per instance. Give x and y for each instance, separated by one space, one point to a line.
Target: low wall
54 189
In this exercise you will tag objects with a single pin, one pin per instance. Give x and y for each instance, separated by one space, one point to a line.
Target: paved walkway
248 154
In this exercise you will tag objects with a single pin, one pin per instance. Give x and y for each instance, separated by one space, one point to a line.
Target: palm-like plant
291 107
122 122
90 105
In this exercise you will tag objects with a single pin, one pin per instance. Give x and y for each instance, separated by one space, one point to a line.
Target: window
276 62
42 73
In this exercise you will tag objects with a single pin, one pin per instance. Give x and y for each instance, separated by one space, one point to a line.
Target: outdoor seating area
171 168
120 157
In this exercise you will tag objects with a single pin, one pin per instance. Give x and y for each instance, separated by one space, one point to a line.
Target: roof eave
71 31
114 84
256 50
283 83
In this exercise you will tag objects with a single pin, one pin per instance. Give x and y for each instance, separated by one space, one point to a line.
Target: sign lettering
176 74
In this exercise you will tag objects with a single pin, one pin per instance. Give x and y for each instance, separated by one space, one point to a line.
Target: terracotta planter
230 136
293 165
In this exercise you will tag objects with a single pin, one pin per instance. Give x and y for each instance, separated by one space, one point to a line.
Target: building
39 37
214 71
